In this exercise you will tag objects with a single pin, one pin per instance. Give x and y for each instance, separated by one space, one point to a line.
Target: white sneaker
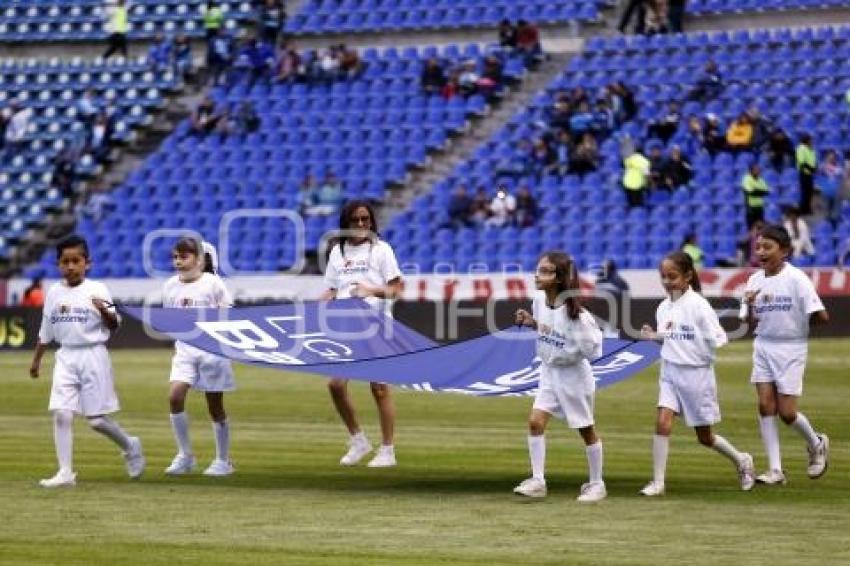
357 450
532 487
746 472
384 458
220 468
181 464
653 489
819 458
772 477
593 491
134 459
61 479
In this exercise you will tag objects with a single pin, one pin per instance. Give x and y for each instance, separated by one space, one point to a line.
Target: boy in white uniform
567 339
362 265
197 286
690 332
80 316
781 300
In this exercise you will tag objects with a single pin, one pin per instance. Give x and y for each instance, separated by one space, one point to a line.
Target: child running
567 339
781 300
197 286
690 332
80 316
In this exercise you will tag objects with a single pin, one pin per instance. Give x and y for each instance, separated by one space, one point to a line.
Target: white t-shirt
784 303
690 329
208 291
562 341
374 263
69 317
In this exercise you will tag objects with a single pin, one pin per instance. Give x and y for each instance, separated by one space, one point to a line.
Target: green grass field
448 502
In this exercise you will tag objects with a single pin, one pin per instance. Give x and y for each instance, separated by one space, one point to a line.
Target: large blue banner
349 339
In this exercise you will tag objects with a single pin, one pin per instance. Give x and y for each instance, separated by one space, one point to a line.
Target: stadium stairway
461 148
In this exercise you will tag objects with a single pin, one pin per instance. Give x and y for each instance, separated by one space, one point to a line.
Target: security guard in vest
118 24
755 189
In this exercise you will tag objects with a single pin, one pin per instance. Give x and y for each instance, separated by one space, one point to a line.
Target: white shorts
689 391
782 363
566 392
202 371
82 381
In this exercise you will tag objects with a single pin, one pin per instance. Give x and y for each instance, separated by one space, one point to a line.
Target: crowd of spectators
503 209
653 16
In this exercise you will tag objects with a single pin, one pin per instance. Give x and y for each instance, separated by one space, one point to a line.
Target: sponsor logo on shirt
774 303
684 332
355 267
67 313
186 302
551 337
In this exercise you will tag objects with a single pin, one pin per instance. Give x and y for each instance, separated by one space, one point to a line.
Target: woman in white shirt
360 264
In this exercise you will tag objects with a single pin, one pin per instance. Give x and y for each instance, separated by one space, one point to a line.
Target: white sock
180 426
594 460
221 431
360 438
724 447
770 438
660 448
802 425
537 455
63 439
111 430
388 448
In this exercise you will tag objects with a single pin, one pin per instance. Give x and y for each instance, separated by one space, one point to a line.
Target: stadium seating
338 16
52 89
368 131
82 20
701 7
793 76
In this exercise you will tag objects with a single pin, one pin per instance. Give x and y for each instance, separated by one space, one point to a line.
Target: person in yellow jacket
755 189
635 178
118 24
807 166
213 19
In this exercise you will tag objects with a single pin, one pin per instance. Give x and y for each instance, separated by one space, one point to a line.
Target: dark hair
72 241
345 223
190 245
566 274
685 264
778 234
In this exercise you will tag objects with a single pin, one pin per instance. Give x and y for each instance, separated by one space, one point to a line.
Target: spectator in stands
636 178
88 107
17 120
739 135
761 127
610 285
33 296
676 171
528 43
709 85
219 56
527 210
560 113
666 125
693 140
99 203
213 19
460 208
205 119
183 57
586 155
117 24
328 196
807 166
518 163
625 103
656 17
801 239
656 167
254 60
350 64
755 190
563 152
308 194
99 140
64 172
676 14
480 210
780 150
603 122
715 140
747 246
502 209
578 96
691 248
491 78
469 77
581 120
433 77
542 157
828 182
271 19
452 86
636 8
160 53
288 63
507 35
243 121
844 187
328 66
